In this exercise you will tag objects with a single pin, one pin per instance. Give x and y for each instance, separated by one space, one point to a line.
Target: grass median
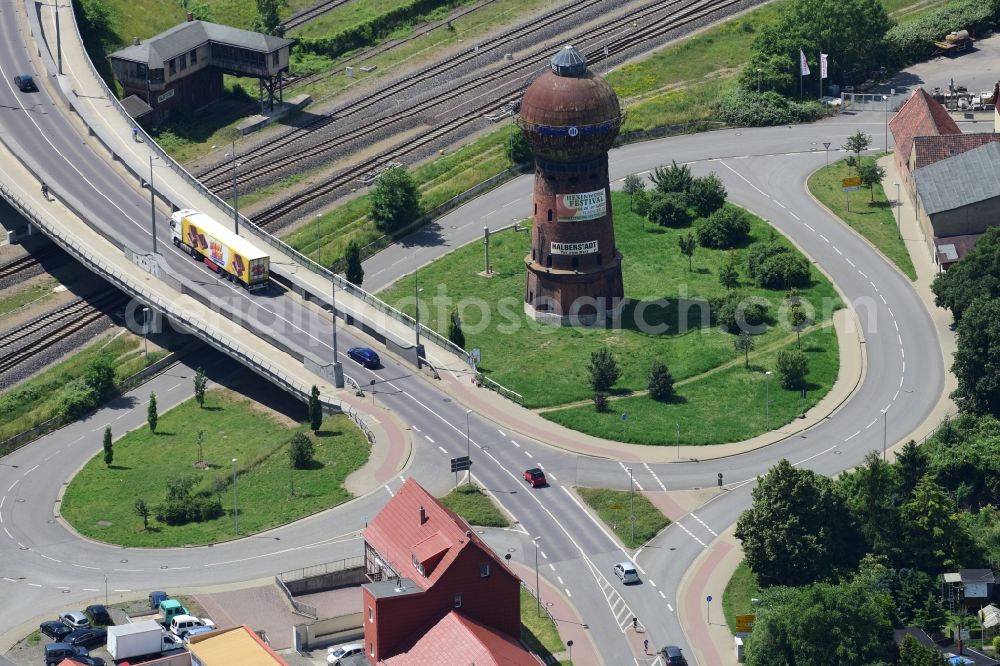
470 502
740 589
99 501
871 213
539 632
613 507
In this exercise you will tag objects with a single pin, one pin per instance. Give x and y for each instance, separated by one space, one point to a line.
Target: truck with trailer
954 43
140 639
224 252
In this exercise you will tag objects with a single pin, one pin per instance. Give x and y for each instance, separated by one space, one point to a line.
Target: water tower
570 118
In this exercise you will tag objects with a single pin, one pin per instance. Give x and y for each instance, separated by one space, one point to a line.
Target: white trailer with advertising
126 641
222 250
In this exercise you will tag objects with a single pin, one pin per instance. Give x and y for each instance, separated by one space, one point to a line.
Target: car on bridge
25 83
535 477
365 356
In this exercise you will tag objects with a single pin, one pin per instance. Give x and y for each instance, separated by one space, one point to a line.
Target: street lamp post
152 200
416 295
338 369
767 401
236 193
885 98
631 503
677 437
758 80
538 590
105 589
899 229
145 332
319 248
885 427
468 443
236 500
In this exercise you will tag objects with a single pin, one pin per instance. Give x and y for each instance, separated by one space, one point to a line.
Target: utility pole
236 193
631 503
338 369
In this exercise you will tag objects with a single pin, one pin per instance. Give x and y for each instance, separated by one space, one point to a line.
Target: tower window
550 214
576 263
548 261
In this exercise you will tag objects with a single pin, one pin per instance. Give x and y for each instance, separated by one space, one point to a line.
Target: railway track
17 266
52 328
308 14
689 12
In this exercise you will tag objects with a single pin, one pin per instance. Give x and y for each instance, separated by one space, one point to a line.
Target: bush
675 178
913 41
707 194
736 312
759 253
195 509
603 370
300 451
100 375
743 108
601 402
77 398
725 228
395 200
668 209
793 366
661 382
783 271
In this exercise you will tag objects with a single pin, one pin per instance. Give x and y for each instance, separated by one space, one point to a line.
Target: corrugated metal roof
961 180
465 641
191 34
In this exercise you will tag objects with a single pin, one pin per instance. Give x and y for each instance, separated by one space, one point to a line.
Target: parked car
672 656
196 631
155 598
365 356
74 619
535 477
56 652
99 615
182 623
88 660
87 636
338 652
627 573
25 82
54 629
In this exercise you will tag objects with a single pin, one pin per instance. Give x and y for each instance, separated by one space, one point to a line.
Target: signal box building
436 588
182 68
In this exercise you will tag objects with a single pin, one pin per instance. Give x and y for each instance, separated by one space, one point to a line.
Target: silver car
626 572
74 619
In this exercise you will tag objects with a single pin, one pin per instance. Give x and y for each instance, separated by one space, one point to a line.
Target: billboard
587 247
581 206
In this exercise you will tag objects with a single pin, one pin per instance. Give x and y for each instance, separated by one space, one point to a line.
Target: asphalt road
45 567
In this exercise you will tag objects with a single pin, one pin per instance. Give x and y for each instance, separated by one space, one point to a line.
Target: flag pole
821 76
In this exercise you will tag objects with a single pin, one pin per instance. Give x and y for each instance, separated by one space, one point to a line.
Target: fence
323 569
868 102
297 606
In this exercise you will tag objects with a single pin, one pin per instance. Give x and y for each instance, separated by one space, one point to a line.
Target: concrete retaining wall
328 581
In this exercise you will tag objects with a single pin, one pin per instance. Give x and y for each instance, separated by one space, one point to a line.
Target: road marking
862 274
443 450
824 238
805 460
559 578
90 589
50 558
428 438
704 525
568 593
681 525
552 476
853 436
873 286
21 546
902 352
900 382
850 262
173 387
652 582
744 178
634 480
34 585
527 453
502 433
543 554
510 203
896 324
795 216
670 607
31 470
552 566
895 396
539 466
9 580
837 250
779 203
415 428
883 299
808 227
650 469
84 566
662 596
871 424
13 484
515 443
2 500
8 533
122 590
900 338
891 314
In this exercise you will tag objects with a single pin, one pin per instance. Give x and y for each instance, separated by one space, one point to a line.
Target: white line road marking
21 546
900 382
31 470
527 453
9 580
502 433
415 428
670 607
122 590
805 460
862 274
173 387
853 436
837 250
50 558
873 286
808 227
33 585
714 533
871 424
744 178
883 299
891 314
13 484
389 490
779 203
902 352
515 443
896 324
824 238
90 589
650 469
900 338
559 578
428 438
895 396
84 566
634 480
8 533
510 203
543 554
552 476
795 216
552 566
681 525
568 593
443 450
850 262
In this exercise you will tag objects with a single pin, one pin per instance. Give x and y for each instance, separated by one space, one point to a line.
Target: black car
87 660
98 615
54 629
672 656
56 652
365 356
87 636
25 82
155 598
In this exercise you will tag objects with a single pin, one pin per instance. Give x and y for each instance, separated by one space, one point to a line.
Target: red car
535 477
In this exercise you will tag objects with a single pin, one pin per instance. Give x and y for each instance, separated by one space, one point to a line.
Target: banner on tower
581 206
588 247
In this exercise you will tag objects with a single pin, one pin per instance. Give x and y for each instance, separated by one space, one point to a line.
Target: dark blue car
365 356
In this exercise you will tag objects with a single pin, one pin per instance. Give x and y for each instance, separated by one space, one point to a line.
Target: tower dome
568 113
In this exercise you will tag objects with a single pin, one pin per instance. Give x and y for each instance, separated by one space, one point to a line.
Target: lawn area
36 293
38 399
540 633
470 502
876 220
612 506
547 364
99 501
703 409
742 587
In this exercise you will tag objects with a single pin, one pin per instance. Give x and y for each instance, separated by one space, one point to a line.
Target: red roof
920 116
465 641
931 149
415 527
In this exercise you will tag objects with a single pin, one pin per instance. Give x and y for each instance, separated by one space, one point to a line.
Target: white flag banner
822 65
804 68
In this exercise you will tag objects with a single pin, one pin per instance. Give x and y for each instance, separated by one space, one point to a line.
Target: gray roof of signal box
964 179
191 34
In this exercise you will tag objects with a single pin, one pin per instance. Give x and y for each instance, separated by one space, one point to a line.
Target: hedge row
744 108
914 41
372 30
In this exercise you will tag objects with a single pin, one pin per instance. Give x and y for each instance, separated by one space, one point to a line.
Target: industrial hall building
182 68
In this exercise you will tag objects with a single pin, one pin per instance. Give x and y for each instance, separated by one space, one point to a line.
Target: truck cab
169 609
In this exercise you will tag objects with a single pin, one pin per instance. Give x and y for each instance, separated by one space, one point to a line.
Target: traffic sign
826 145
853 181
460 464
744 623
624 416
709 598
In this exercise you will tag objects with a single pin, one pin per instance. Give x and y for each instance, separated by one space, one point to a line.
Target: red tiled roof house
920 116
424 563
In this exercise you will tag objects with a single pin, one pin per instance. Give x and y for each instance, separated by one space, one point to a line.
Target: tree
872 492
977 358
729 275
633 185
267 16
793 366
668 209
455 333
674 178
912 653
932 618
911 464
798 529
725 228
354 273
707 194
109 453
799 320
640 203
142 511
395 200
857 143
761 252
200 381
784 270
744 344
871 175
603 370
300 451
152 416
517 147
315 410
99 375
687 244
661 382
977 274
736 312
933 532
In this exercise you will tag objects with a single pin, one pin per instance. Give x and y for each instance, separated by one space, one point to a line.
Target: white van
181 624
